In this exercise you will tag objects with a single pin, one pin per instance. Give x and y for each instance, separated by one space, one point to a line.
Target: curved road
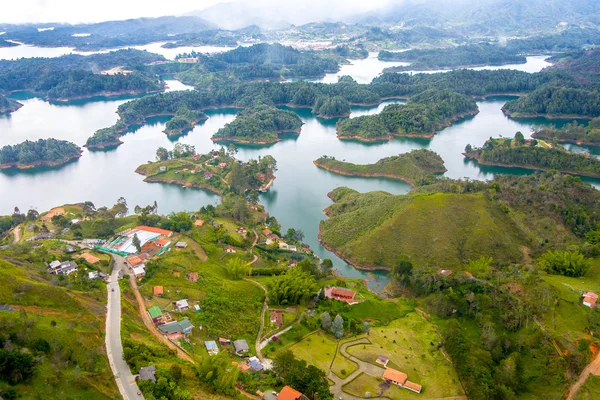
114 348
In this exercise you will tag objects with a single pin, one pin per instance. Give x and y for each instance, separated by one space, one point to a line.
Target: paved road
114 348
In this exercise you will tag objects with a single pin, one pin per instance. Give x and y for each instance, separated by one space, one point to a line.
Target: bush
565 263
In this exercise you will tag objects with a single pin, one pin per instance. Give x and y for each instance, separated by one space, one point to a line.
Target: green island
259 125
184 120
5 43
259 62
421 116
8 105
43 152
357 52
556 101
415 168
73 76
217 171
449 101
533 154
572 133
453 57
331 107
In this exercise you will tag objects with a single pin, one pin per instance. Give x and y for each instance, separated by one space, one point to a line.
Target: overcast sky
77 11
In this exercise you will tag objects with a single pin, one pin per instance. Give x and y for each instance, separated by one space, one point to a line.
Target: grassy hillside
416 167
61 327
453 222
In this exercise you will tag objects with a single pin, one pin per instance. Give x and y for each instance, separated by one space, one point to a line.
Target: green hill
452 222
415 168
60 324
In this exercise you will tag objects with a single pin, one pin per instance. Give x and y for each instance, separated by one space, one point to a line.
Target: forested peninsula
455 57
415 168
572 133
184 120
533 154
421 116
43 152
259 125
74 76
8 105
554 101
465 219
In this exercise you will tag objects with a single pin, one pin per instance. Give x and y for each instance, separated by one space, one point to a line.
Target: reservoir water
298 196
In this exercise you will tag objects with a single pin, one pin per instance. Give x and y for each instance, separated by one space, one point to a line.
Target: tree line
40 151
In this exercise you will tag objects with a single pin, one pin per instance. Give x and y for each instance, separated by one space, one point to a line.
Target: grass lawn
317 349
590 390
297 332
407 342
342 366
231 227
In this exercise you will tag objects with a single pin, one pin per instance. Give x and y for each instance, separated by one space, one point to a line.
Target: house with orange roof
590 299
341 294
134 261
445 272
198 223
158 291
152 229
192 276
289 393
401 379
162 242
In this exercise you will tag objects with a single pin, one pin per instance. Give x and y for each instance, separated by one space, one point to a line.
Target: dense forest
582 62
48 152
260 62
184 120
417 167
75 76
571 133
259 124
331 107
556 101
421 116
533 154
461 56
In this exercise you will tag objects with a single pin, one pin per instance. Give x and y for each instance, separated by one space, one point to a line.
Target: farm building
590 299
211 347
400 379
341 294
241 347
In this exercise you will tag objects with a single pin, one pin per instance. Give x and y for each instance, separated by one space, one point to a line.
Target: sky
86 11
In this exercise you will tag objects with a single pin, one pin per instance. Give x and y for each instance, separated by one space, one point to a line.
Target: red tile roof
153 230
289 393
413 386
277 317
395 376
158 290
343 292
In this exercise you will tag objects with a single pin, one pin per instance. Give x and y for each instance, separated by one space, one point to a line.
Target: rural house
181 245
177 330
382 360
229 249
198 223
147 373
158 291
139 271
155 313
277 317
289 393
211 347
182 305
445 272
341 294
241 347
590 299
192 276
400 379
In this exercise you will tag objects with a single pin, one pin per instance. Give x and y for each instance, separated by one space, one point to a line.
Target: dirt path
262 321
592 368
16 234
146 318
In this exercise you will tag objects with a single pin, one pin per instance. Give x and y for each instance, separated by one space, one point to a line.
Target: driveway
114 348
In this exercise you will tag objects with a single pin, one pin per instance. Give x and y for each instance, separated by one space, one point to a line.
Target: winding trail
16 234
262 323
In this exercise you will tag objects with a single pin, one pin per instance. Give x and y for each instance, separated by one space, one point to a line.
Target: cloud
86 11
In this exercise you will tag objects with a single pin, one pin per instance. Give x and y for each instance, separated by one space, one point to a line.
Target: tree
237 268
565 263
176 372
32 214
162 154
403 266
120 208
519 138
283 363
337 327
327 266
269 164
293 287
232 150
326 321
136 242
182 150
89 208
253 197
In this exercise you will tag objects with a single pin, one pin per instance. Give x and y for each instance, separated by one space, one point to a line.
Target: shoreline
429 135
103 94
181 131
103 145
261 142
17 106
530 167
449 68
152 179
342 257
41 163
541 115
372 175
562 140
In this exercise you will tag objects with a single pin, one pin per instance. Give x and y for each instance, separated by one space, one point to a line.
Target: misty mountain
487 16
238 15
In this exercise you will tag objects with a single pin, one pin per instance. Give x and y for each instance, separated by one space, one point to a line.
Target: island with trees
73 76
183 121
418 167
259 125
533 154
571 133
216 171
331 107
556 101
453 57
421 116
43 152
8 105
